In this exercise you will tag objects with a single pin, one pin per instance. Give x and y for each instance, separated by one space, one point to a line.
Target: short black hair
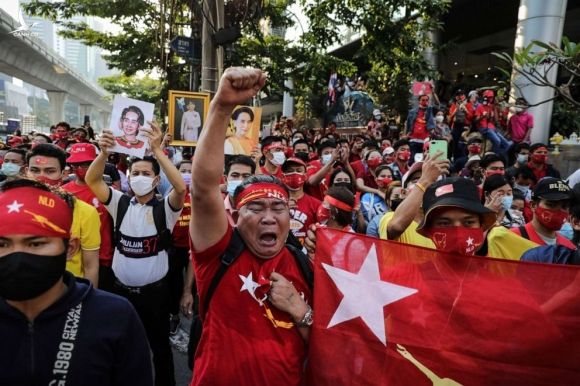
21 152
399 143
371 143
242 160
521 146
382 167
342 140
243 109
136 110
48 140
255 179
490 158
81 129
48 150
185 161
342 217
526 173
324 145
518 195
492 183
370 152
147 158
536 146
298 132
299 142
63 124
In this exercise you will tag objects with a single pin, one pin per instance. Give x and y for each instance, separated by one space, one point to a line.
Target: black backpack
233 251
158 218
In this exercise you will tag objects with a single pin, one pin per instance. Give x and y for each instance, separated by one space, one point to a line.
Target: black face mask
24 276
302 155
347 185
394 204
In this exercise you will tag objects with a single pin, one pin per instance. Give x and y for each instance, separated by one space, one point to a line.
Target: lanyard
66 346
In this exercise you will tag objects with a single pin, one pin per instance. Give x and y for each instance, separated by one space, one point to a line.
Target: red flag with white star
393 314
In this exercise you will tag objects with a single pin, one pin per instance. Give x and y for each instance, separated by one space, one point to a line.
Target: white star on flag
365 295
14 207
249 285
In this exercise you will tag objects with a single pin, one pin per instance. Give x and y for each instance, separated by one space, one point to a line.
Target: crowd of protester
131 227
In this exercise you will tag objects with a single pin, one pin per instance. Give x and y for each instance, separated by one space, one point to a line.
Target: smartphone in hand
438 145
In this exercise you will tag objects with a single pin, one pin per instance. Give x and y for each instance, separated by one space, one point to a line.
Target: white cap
376 112
388 150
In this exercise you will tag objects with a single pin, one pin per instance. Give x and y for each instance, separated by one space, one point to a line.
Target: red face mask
374 162
423 103
550 218
294 181
474 149
384 182
289 152
462 240
489 173
404 155
81 173
539 158
48 181
323 214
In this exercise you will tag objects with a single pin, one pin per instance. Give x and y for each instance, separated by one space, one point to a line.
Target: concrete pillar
538 20
288 99
56 99
105 118
85 109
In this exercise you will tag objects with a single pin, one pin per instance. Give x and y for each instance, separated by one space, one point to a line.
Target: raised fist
237 85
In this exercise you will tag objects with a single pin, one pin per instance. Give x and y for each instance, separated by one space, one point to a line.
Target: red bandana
261 190
32 211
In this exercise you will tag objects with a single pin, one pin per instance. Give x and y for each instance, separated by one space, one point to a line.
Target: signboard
187 48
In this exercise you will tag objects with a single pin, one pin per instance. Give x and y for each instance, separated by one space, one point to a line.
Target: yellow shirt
409 236
86 226
505 244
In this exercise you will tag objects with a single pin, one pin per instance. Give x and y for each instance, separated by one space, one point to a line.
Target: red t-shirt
240 345
302 215
319 191
84 193
420 126
357 167
180 234
485 122
277 173
368 179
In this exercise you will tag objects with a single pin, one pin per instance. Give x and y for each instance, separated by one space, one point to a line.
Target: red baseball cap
295 160
82 152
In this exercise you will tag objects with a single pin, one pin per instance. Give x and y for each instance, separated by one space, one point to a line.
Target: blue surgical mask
232 185
10 169
506 202
326 158
567 231
186 178
522 159
522 188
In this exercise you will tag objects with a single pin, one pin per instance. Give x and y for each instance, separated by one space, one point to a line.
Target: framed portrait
127 119
187 114
244 130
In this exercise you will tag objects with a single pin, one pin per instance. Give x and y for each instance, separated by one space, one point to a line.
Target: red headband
261 190
338 204
35 212
273 145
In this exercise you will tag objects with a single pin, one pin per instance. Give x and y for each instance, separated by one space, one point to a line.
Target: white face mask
439 118
278 158
141 185
326 158
186 178
232 185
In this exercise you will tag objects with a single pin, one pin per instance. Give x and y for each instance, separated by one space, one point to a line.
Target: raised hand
154 134
106 141
237 85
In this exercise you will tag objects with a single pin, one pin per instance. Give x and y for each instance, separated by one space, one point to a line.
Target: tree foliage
535 62
142 88
394 37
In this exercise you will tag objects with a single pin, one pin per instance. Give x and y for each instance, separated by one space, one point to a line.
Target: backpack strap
303 263
233 251
161 225
122 208
524 232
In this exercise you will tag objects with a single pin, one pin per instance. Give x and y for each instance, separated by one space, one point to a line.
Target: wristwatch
306 320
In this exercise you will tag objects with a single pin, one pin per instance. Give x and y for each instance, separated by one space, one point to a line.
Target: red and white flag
387 313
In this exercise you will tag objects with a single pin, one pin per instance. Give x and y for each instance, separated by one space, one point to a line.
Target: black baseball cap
459 193
552 189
